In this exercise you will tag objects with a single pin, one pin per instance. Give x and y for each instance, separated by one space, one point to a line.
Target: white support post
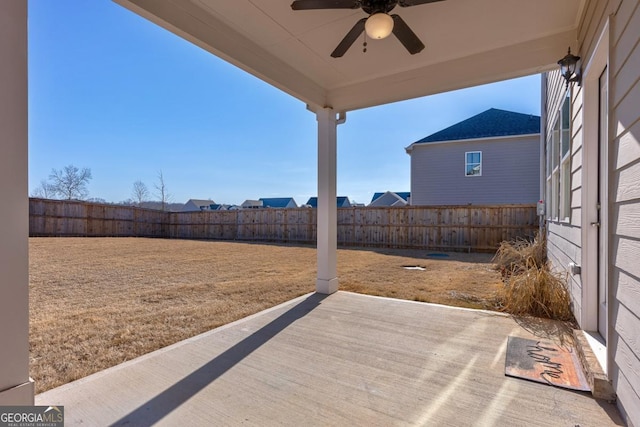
16 388
327 215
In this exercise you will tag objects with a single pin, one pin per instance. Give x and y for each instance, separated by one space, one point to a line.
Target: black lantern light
569 68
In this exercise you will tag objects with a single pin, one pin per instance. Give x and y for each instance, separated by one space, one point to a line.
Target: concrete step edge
601 387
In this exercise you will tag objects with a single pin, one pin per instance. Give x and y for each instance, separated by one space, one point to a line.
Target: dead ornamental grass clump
530 286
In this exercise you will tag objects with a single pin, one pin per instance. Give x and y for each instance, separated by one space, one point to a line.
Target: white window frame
552 170
558 181
565 160
466 163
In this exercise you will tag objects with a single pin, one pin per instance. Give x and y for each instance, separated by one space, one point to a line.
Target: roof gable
389 199
278 202
199 204
343 202
251 203
490 123
404 195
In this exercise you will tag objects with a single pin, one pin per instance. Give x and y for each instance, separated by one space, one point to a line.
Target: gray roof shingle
277 202
403 194
341 201
490 123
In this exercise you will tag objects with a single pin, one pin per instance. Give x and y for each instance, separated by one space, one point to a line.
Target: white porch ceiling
468 42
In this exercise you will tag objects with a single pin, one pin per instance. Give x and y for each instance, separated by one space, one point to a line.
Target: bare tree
43 191
162 192
140 192
70 182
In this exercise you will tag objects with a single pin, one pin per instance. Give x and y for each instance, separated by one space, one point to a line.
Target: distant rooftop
402 194
197 204
277 202
341 201
490 123
201 202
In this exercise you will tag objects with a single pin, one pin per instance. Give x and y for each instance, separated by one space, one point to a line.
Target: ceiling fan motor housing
378 6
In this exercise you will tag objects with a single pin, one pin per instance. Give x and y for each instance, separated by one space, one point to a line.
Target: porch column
327 213
16 387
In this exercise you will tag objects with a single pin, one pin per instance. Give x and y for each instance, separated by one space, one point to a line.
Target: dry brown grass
531 288
96 302
517 255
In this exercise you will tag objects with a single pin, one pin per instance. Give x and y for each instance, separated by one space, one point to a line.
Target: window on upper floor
473 163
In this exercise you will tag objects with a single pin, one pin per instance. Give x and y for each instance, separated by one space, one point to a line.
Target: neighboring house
591 189
341 201
279 202
251 204
492 158
390 198
194 205
217 207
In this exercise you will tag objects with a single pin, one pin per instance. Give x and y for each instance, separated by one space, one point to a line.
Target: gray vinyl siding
510 172
624 181
564 240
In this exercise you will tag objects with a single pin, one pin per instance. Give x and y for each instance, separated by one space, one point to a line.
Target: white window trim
564 208
565 188
558 192
467 164
553 170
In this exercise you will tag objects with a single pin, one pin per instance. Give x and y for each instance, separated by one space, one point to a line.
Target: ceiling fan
378 25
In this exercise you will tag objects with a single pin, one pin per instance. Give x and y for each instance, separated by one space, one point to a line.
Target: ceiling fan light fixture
379 26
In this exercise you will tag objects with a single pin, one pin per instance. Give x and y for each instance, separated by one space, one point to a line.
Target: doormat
544 362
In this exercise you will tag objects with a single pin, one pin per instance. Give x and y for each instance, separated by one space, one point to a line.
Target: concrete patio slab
343 359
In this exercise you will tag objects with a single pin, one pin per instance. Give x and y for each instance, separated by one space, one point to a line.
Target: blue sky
113 92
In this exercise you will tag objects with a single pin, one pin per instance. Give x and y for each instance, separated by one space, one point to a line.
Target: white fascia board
530 57
491 138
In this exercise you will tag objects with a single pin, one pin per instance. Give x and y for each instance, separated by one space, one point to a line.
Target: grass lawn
97 302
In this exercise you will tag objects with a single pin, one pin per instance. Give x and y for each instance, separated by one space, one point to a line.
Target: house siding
623 204
624 163
563 238
508 174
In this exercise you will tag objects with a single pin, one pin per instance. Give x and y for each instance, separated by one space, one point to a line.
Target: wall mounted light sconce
569 68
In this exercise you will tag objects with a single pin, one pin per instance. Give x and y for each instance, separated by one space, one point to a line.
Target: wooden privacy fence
55 218
452 228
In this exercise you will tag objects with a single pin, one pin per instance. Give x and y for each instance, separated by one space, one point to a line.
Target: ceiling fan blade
407 37
325 4
407 3
348 40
